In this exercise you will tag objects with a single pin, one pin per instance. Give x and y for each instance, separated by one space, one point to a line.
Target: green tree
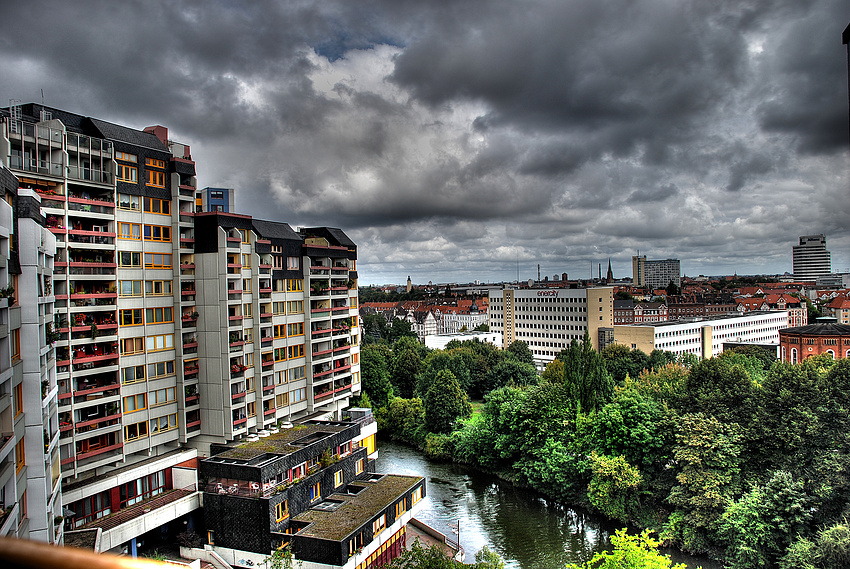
481 328
613 488
585 375
759 526
522 352
707 454
445 403
829 549
630 552
509 371
399 329
374 371
459 361
621 361
406 365
375 327
672 289
404 420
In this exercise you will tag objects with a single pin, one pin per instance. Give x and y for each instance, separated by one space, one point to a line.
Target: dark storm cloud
472 134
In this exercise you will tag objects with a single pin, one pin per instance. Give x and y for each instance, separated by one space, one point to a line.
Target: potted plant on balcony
94 331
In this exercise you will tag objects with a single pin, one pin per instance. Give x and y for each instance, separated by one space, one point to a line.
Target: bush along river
526 529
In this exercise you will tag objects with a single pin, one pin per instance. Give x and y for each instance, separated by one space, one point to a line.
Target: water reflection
525 529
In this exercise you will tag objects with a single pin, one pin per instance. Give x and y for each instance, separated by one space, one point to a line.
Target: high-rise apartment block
30 499
655 274
174 329
811 259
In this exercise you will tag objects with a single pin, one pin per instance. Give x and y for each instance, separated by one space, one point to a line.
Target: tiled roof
129 135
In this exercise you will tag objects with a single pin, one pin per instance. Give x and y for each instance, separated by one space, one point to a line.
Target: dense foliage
737 455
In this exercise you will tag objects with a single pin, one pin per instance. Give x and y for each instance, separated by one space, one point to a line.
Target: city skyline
456 143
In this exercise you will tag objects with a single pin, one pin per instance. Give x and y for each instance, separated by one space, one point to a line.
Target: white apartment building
549 319
703 336
174 330
30 498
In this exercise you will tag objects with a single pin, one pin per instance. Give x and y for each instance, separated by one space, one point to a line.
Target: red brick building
801 342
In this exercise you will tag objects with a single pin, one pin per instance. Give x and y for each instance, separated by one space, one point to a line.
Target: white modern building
703 337
549 319
811 258
440 341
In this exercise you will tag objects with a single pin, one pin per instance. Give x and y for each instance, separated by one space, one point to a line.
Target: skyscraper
810 258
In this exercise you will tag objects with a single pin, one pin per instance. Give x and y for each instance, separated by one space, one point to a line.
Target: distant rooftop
340 514
708 318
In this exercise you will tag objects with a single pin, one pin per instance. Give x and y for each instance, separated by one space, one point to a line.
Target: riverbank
527 529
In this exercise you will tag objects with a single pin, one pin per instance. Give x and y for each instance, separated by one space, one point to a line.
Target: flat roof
355 510
282 443
701 319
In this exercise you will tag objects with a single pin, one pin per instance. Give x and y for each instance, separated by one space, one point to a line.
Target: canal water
527 530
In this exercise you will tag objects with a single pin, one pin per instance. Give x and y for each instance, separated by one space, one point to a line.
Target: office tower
810 258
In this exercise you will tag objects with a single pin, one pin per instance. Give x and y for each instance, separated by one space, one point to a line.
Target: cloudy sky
457 140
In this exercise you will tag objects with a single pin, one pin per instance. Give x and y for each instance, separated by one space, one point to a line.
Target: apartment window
249 362
246 259
129 230
126 157
216 195
358 466
132 374
154 205
162 396
159 315
136 431
337 478
315 491
280 331
299 395
20 455
156 163
417 495
130 317
248 335
128 202
134 492
246 238
161 233
355 358
135 403
294 285
296 373
165 423
252 409
160 369
379 524
129 259
295 329
91 508
156 179
278 308
281 511
279 354
297 472
158 288
130 288
15 340
295 306
127 173
160 342
296 351
248 311
400 507
131 346
19 399
157 261
281 400
246 285
292 263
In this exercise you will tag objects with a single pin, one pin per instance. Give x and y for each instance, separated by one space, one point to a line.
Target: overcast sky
454 141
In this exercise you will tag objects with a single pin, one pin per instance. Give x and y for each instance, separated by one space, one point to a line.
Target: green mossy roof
358 509
277 443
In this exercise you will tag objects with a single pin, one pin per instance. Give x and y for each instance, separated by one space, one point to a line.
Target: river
527 530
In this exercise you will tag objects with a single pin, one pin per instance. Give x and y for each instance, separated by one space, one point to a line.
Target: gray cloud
455 140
